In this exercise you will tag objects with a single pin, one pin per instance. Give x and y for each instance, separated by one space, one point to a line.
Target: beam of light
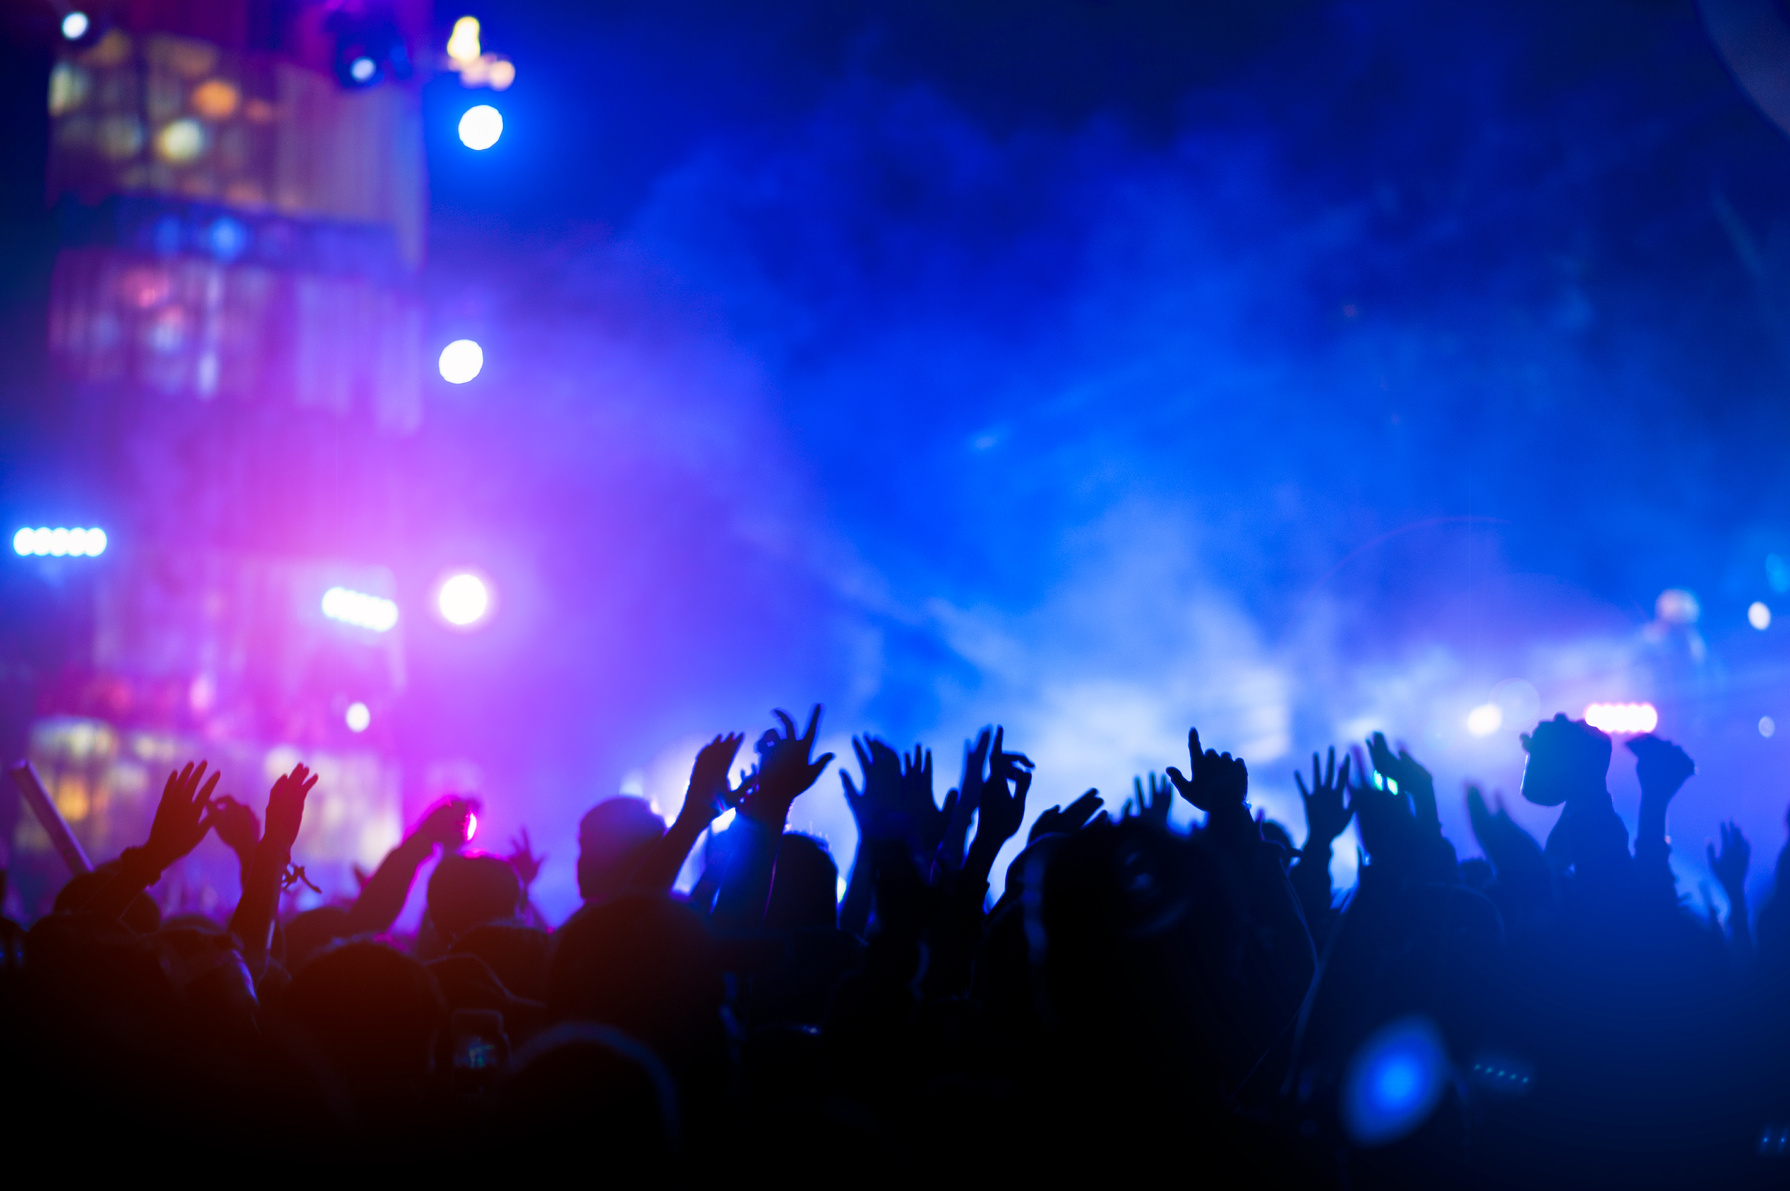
1485 719
481 126
460 361
75 26
60 543
1394 1082
358 717
463 43
1758 615
1622 719
360 609
463 599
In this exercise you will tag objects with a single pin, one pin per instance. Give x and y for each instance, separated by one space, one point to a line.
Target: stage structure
240 191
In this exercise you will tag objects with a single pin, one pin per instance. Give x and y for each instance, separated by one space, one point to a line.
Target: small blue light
1394 1081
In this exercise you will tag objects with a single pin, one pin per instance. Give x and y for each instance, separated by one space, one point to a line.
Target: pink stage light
1622 719
472 826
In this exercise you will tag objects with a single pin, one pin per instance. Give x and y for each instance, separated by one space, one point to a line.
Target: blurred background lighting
481 126
1394 1082
460 361
463 43
1485 719
60 543
75 26
464 599
180 140
1622 719
1677 606
360 609
358 717
1758 615
362 70
1767 726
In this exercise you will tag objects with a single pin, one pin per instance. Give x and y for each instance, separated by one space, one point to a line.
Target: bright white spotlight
60 543
360 609
1758 615
1622 719
75 26
358 717
463 43
1485 719
460 361
22 542
481 126
463 599
96 543
472 826
362 69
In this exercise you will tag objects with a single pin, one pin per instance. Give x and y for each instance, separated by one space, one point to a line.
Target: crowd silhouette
1135 999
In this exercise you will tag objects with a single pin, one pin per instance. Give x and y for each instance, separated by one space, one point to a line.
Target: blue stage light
1394 1081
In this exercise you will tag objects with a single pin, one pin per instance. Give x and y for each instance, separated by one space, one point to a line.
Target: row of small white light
60 543
360 609
463 599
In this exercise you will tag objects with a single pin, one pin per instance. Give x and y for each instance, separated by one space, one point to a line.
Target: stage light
358 717
75 26
360 609
472 826
1394 1082
1767 726
1758 615
481 126
362 70
1485 719
501 74
460 361
1677 606
464 599
60 543
1622 719
463 43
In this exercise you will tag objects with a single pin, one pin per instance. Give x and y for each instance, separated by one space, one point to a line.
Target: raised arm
252 924
382 898
1663 768
1327 816
707 797
1729 866
181 820
786 767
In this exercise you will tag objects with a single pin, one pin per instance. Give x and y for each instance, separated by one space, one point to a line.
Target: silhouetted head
466 890
312 931
612 840
805 889
590 1088
143 916
373 1012
516 955
646 965
1567 758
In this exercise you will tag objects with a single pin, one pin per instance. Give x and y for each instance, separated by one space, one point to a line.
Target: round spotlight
358 717
75 26
96 542
362 69
22 542
463 599
1758 614
460 361
1767 726
481 126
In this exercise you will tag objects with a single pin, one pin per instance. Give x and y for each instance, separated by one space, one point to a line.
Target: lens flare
1394 1081
1485 719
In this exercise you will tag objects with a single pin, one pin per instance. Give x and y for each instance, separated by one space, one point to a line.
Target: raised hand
1066 820
1219 780
235 824
1410 777
522 858
710 795
931 820
1154 806
445 823
286 807
1326 814
1730 864
786 768
181 818
1003 807
1662 766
